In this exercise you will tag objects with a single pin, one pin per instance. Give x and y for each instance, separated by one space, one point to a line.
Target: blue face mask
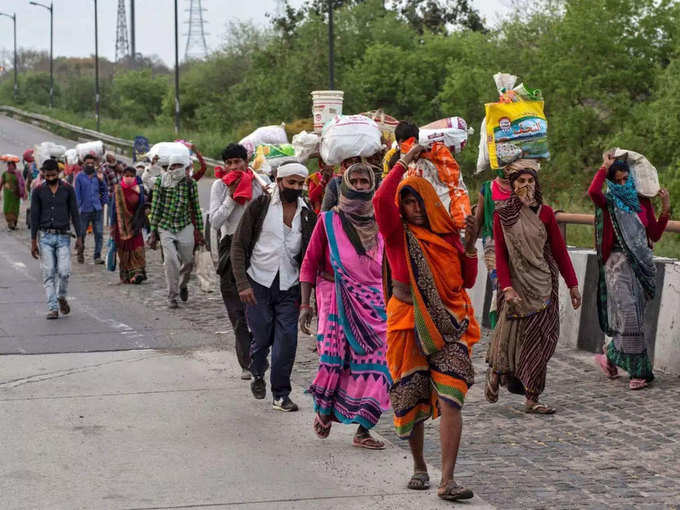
625 196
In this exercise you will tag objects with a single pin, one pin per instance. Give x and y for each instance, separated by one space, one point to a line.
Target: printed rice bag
516 129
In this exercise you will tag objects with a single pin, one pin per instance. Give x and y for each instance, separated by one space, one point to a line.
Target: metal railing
564 219
81 134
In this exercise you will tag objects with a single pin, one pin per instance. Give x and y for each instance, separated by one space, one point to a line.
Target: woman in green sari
13 190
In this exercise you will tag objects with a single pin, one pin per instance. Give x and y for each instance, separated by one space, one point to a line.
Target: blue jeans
274 324
55 263
94 217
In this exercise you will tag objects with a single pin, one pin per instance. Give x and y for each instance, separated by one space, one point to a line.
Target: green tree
138 95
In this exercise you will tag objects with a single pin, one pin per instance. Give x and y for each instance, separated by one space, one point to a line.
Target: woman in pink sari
344 262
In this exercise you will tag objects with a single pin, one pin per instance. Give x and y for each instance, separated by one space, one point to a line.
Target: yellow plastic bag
516 130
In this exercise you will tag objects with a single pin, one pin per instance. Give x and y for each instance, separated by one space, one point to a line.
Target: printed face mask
526 192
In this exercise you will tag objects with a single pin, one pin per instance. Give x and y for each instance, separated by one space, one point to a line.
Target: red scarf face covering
244 185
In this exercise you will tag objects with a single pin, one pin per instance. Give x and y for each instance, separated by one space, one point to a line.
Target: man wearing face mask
234 188
266 253
53 208
175 213
92 195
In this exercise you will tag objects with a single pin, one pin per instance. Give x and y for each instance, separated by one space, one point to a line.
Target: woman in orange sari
431 326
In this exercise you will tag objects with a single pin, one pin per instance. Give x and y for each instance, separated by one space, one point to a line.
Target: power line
197 47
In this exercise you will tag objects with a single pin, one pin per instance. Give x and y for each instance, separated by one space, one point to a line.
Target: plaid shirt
174 208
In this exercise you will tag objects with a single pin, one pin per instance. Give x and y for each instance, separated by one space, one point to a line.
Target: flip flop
609 370
539 408
322 429
490 393
420 481
368 442
637 384
454 492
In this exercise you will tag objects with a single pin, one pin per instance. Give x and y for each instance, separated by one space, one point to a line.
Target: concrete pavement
170 428
145 429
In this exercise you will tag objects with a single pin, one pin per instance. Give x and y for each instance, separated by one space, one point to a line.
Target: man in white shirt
229 196
266 253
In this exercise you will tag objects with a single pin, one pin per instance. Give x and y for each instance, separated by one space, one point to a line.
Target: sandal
322 429
538 408
637 384
368 442
420 481
609 370
490 392
454 492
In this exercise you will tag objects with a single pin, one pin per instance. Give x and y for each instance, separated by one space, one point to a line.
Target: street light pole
177 108
14 20
331 50
96 64
51 9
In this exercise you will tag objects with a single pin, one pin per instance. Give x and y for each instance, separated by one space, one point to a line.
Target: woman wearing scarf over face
127 219
14 190
431 324
530 251
344 262
625 227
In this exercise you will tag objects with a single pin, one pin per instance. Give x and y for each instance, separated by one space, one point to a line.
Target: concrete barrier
580 329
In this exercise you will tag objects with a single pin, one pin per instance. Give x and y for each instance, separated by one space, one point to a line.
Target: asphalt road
16 137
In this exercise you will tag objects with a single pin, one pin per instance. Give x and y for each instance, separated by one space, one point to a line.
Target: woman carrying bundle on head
625 228
530 252
344 262
14 190
431 324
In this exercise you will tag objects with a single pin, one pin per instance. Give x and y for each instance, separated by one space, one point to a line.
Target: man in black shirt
53 209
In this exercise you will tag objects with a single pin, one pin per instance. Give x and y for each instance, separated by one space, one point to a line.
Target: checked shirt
174 208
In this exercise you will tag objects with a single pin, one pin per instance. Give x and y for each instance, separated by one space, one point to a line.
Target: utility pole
51 9
331 50
177 110
133 46
96 65
13 17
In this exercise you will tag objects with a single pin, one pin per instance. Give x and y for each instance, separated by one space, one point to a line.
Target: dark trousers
94 218
274 323
237 316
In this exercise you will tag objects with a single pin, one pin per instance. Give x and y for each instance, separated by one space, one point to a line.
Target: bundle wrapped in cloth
95 148
644 175
165 150
48 150
266 135
451 131
348 136
514 127
439 167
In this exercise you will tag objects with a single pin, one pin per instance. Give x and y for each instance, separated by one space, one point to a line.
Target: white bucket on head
326 104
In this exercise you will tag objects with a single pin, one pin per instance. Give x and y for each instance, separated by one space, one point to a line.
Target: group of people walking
383 267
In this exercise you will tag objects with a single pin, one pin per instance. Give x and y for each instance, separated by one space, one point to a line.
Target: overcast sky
74 23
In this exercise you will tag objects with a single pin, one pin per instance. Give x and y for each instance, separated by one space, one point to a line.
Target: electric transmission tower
196 45
122 43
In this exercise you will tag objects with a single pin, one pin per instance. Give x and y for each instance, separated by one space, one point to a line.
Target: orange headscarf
443 267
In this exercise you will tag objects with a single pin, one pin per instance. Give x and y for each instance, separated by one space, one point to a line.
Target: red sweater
557 247
390 226
653 226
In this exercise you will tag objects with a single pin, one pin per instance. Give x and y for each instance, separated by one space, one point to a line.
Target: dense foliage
608 70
